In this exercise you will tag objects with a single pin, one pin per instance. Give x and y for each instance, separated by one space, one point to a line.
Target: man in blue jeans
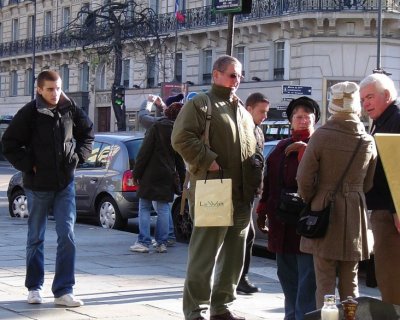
46 140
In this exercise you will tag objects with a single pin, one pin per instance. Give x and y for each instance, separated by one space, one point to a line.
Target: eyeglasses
234 75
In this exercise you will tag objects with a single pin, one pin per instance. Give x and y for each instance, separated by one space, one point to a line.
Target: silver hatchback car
104 183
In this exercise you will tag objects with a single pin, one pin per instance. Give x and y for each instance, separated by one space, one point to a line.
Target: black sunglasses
234 76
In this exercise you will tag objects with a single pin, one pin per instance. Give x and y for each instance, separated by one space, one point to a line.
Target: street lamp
378 43
33 49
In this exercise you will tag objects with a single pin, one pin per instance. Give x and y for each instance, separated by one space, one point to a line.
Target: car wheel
108 214
18 204
183 224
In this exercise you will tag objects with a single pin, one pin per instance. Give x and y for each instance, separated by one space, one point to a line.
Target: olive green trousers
215 262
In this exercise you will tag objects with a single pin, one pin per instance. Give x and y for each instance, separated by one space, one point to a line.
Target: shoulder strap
207 142
208 121
347 168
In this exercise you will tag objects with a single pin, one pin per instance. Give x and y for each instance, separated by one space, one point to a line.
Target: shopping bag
213 203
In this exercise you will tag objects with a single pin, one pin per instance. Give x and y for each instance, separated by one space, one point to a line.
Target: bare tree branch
108 28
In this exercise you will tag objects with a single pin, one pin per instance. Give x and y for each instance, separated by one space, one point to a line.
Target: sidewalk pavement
116 283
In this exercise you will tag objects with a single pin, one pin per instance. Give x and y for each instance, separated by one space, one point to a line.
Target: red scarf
301 135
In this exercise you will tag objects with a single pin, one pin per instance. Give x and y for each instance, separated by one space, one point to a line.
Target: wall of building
322 47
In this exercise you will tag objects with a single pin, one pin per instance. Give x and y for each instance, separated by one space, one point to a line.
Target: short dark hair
47 75
255 98
224 61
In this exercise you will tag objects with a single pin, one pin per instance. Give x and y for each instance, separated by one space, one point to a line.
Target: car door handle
93 180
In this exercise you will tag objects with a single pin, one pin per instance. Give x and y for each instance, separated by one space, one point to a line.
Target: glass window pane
64 73
28 82
48 23
15 30
125 73
84 77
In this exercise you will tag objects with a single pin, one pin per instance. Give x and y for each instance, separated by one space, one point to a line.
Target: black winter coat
156 162
52 141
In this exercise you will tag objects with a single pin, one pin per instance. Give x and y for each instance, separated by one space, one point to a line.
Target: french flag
178 15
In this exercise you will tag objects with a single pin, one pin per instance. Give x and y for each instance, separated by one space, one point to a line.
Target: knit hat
345 97
172 111
306 102
177 98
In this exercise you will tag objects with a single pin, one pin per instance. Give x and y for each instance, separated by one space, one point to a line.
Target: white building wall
318 48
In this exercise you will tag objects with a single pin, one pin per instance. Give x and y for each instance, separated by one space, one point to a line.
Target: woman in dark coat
154 170
295 269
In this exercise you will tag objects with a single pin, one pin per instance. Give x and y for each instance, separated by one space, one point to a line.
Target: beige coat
325 159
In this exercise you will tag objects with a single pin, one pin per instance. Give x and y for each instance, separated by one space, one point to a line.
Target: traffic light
119 95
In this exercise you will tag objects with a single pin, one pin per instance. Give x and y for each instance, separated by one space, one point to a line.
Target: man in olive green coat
216 254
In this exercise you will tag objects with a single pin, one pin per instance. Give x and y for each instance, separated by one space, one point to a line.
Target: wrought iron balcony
204 17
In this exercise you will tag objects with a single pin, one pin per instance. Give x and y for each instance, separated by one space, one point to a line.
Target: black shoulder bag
314 224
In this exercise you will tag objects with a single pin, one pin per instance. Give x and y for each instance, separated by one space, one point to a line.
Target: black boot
245 286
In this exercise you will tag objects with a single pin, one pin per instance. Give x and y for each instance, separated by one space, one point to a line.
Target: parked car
104 183
183 223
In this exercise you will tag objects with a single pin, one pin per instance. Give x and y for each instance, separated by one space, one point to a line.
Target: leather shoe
245 286
226 316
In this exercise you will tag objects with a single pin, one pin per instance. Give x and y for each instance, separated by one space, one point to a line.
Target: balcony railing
203 17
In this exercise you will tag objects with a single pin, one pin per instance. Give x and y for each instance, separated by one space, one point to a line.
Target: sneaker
34 297
245 286
139 247
154 243
171 242
68 300
162 248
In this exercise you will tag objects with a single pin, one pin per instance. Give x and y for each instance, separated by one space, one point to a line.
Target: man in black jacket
46 139
258 106
378 98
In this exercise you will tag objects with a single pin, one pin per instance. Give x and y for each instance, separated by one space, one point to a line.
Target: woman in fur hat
295 269
327 155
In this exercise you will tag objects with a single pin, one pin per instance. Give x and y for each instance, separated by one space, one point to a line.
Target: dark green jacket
232 141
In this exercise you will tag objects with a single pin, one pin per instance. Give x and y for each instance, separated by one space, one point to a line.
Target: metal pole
33 49
176 49
378 50
231 28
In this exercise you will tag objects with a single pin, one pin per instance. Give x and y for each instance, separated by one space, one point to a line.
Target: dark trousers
251 235
387 255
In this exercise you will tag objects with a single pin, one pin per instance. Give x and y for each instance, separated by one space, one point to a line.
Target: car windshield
133 147
268 149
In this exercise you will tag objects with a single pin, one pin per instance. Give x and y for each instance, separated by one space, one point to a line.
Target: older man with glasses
216 254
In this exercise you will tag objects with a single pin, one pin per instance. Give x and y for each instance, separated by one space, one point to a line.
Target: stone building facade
298 45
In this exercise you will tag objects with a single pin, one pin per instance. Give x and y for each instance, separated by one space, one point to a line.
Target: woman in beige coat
325 159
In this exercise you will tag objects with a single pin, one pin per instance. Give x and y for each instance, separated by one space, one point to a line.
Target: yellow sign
389 150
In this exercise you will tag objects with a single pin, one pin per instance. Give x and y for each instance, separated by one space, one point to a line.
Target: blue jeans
171 229
297 278
62 204
162 225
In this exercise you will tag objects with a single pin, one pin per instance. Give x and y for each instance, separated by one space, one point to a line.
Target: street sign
191 95
299 90
227 5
